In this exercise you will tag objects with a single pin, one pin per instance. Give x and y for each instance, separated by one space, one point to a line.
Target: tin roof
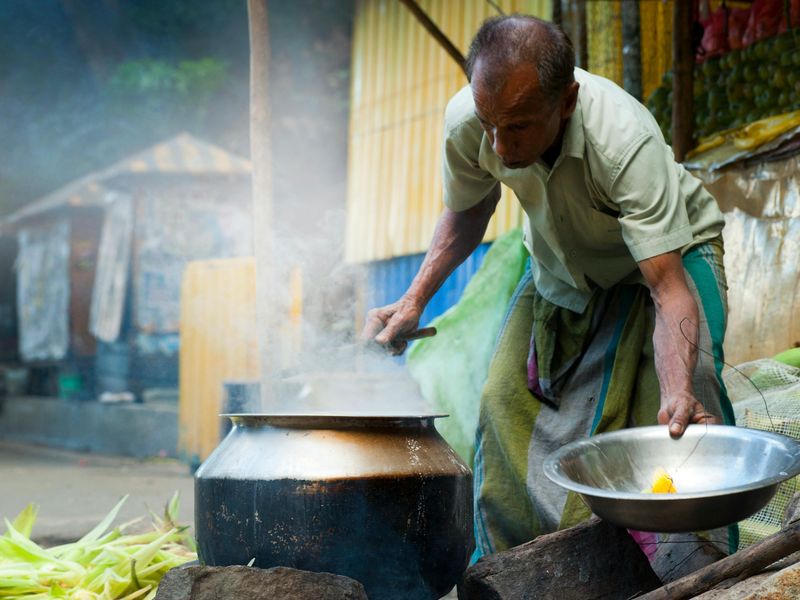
182 154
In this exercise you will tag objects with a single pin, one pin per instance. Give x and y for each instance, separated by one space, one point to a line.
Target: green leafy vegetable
102 565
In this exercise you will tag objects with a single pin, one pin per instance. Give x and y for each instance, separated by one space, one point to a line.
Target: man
626 280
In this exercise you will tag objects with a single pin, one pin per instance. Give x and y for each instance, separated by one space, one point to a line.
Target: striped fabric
595 373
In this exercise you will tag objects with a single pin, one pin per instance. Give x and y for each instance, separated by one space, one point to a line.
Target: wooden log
682 79
261 159
741 565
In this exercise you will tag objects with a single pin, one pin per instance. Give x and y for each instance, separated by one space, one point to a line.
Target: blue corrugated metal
388 280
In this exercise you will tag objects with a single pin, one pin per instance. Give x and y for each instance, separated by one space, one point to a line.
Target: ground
75 491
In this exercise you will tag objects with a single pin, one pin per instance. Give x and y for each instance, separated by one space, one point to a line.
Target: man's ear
569 100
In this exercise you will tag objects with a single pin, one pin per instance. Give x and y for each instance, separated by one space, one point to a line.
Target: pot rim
333 420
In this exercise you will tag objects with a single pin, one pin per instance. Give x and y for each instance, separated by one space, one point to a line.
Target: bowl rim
553 471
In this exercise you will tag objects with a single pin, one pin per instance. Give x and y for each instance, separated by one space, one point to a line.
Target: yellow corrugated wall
656 25
218 342
604 38
401 82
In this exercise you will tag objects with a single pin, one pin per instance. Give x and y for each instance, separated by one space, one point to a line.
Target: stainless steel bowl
722 474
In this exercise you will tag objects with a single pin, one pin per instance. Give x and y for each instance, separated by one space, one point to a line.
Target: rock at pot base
590 561
213 583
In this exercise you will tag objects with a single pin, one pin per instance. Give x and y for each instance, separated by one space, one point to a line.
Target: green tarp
451 367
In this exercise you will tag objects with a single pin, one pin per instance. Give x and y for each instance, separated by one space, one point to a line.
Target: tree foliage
86 83
83 84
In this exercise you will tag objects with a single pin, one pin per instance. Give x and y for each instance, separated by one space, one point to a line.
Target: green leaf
101 527
172 509
25 520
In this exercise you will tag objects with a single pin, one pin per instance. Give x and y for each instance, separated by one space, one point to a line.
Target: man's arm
677 319
457 234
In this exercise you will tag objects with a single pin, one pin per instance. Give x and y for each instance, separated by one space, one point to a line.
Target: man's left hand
678 411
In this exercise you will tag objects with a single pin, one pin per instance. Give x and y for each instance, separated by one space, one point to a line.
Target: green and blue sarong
595 373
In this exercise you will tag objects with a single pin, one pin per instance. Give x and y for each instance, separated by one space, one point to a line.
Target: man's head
520 69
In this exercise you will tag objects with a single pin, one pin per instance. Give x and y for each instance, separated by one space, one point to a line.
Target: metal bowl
722 474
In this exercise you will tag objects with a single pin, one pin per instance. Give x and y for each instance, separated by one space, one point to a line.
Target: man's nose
499 145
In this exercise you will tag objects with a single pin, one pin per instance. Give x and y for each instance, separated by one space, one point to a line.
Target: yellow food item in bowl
662 483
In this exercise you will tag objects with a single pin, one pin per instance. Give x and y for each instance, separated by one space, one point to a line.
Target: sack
765 18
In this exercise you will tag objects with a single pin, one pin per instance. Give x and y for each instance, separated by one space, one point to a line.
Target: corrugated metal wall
387 280
604 38
656 26
402 81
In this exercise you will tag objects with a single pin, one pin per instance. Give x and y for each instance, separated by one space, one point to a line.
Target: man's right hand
387 325
457 234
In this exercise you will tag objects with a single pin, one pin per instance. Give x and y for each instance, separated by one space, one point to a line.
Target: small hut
100 263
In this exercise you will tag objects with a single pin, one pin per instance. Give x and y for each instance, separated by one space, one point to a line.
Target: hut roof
182 154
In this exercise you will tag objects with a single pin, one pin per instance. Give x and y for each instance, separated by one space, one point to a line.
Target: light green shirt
614 196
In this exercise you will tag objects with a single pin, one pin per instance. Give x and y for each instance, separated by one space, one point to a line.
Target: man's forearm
456 236
675 341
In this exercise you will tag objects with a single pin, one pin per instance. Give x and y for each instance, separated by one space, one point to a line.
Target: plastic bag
715 34
737 25
765 18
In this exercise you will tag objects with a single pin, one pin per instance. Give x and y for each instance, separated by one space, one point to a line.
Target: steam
325 368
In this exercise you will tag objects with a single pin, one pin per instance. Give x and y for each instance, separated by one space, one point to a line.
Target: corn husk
105 564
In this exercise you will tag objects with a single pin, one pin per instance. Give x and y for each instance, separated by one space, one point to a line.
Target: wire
727 364
496 7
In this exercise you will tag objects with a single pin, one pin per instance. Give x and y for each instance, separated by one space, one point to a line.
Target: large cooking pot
381 499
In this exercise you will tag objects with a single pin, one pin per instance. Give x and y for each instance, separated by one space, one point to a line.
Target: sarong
589 373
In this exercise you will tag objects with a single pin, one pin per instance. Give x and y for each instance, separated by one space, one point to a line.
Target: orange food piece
662 483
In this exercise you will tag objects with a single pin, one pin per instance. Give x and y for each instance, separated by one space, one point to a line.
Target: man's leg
503 512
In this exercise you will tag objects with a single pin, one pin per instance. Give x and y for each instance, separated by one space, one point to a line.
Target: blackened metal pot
381 499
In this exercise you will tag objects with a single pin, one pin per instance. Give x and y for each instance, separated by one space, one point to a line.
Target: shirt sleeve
646 187
465 182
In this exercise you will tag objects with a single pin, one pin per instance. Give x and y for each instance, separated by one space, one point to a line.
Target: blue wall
388 280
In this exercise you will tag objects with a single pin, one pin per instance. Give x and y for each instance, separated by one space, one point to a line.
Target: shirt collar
574 144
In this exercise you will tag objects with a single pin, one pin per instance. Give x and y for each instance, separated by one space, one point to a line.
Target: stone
590 561
682 555
783 585
792 511
213 583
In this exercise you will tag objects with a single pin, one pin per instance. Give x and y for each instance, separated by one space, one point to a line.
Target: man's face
519 122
